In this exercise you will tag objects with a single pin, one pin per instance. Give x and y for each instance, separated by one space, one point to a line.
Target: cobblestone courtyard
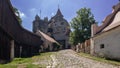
59 59
69 59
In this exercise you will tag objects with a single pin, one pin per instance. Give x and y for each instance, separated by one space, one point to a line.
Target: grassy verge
29 62
100 59
43 59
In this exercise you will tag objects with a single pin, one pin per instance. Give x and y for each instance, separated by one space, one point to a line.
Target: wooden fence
83 47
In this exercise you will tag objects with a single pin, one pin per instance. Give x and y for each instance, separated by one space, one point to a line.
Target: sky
48 8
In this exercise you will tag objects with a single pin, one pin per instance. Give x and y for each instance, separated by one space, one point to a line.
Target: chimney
93 29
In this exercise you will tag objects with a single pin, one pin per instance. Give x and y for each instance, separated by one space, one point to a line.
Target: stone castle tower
57 27
39 24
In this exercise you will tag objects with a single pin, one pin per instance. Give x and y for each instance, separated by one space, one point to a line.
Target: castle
57 28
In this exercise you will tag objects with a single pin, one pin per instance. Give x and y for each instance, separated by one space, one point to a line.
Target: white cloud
33 10
53 14
22 15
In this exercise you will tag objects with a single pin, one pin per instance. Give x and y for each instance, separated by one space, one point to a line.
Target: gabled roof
45 36
108 22
58 14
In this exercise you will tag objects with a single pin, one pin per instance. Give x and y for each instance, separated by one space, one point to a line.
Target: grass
8 66
43 56
113 62
32 66
28 62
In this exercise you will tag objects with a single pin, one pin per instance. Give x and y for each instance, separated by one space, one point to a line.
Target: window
64 28
62 23
102 46
55 24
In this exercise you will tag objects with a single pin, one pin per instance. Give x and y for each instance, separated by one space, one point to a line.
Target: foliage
17 15
81 26
56 46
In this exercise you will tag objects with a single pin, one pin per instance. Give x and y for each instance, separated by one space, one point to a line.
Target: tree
81 26
18 15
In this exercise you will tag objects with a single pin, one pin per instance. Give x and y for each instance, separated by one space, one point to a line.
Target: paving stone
69 59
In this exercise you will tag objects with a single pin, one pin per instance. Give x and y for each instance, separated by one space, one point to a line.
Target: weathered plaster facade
111 45
105 41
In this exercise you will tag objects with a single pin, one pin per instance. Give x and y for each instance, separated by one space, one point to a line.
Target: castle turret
58 27
37 18
40 24
46 19
36 23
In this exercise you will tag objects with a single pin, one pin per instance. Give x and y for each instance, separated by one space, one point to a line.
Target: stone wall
107 44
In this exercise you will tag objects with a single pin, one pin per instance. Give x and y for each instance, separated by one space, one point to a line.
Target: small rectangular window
102 46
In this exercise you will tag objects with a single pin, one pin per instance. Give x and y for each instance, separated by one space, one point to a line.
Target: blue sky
29 8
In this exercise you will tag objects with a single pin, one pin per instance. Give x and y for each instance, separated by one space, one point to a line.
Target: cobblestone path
69 59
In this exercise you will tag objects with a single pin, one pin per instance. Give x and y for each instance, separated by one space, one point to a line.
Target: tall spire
58 6
40 12
58 11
